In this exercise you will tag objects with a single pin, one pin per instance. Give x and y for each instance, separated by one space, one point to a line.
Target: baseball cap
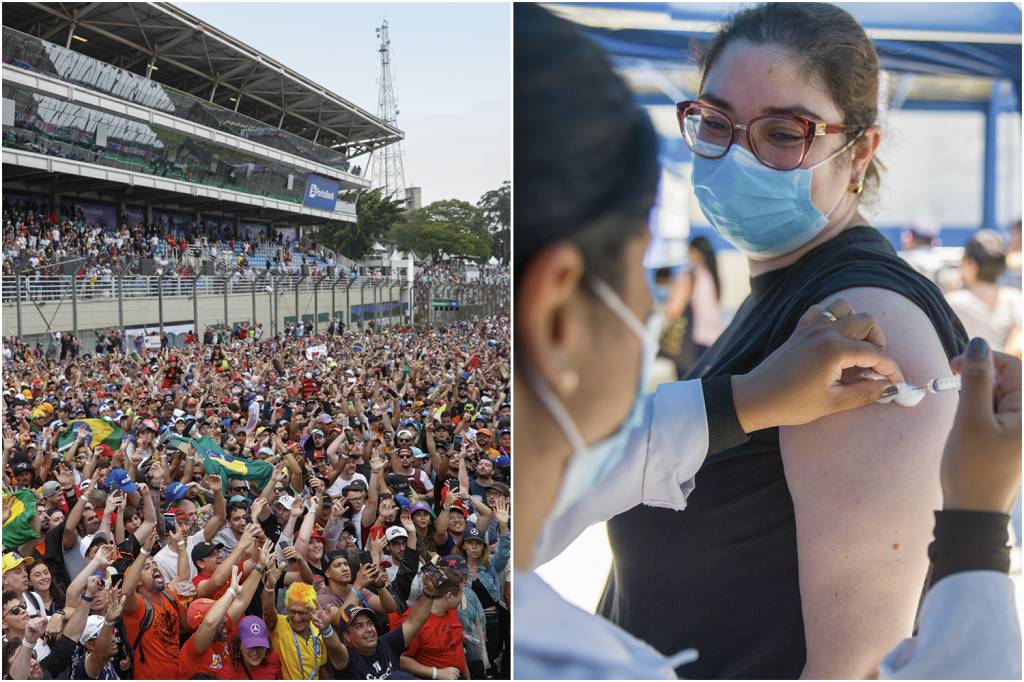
404 433
395 532
353 610
22 466
119 478
286 501
403 502
149 424
324 419
100 536
472 533
50 488
93 627
420 506
484 432
12 560
454 562
252 632
357 484
198 609
503 462
175 491
204 549
500 488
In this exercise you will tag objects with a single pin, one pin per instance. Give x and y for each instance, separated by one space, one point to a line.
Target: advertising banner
320 193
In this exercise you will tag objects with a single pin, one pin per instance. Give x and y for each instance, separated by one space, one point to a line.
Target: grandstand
164 165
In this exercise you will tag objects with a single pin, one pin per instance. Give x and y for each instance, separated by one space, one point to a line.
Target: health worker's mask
761 211
589 465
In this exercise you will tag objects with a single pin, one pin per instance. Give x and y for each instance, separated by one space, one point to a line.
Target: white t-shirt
992 323
341 483
168 560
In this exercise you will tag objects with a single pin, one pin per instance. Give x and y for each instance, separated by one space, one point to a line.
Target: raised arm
207 631
70 537
220 511
268 594
98 657
225 568
866 481
133 576
252 583
373 492
148 513
104 557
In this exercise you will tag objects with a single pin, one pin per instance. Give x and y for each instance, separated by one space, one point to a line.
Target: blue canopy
979 39
959 38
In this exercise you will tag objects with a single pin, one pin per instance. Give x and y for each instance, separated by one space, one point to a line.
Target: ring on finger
828 315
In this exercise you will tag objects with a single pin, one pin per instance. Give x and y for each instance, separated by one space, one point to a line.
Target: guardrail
39 287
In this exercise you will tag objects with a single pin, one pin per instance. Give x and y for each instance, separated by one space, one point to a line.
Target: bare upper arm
864 485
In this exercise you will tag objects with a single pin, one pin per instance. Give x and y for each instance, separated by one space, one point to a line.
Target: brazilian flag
175 441
18 527
99 430
216 461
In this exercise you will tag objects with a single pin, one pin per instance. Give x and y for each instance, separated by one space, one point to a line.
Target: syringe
941 384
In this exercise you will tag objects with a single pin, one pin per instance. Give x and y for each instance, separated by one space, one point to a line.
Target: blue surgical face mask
589 465
761 211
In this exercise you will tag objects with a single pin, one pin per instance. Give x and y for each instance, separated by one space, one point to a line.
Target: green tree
375 216
497 208
452 227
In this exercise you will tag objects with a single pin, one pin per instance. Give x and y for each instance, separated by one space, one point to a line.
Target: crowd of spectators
335 505
42 239
453 273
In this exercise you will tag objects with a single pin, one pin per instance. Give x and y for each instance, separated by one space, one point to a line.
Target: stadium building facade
139 113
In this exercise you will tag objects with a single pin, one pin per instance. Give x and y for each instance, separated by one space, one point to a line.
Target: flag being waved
98 432
18 528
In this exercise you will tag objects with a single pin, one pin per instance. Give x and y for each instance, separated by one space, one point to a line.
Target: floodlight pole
17 276
120 300
348 304
160 299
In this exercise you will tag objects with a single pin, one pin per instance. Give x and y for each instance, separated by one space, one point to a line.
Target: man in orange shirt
436 651
155 637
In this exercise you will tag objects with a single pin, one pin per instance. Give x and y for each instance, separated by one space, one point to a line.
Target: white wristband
433 673
143 552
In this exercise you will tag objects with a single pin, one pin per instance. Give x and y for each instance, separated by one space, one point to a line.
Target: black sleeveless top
725 580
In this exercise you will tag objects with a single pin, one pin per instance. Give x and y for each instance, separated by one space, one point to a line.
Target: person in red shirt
436 651
207 651
250 654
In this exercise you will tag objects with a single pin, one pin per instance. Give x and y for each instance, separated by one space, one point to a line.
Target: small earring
857 186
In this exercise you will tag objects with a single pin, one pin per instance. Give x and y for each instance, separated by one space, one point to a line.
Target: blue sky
452 69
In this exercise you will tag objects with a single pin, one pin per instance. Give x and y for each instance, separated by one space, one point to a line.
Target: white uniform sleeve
661 458
968 629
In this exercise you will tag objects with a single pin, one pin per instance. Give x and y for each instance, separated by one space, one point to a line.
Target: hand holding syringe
907 395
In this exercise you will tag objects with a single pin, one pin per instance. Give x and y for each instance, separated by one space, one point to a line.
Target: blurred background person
986 307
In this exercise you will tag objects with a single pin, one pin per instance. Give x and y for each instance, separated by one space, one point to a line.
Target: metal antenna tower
388 168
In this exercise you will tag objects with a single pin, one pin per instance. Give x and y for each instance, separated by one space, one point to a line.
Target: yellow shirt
283 641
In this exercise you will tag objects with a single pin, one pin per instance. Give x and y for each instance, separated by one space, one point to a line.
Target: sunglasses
16 610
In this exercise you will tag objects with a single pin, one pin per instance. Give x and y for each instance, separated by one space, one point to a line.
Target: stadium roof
194 57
